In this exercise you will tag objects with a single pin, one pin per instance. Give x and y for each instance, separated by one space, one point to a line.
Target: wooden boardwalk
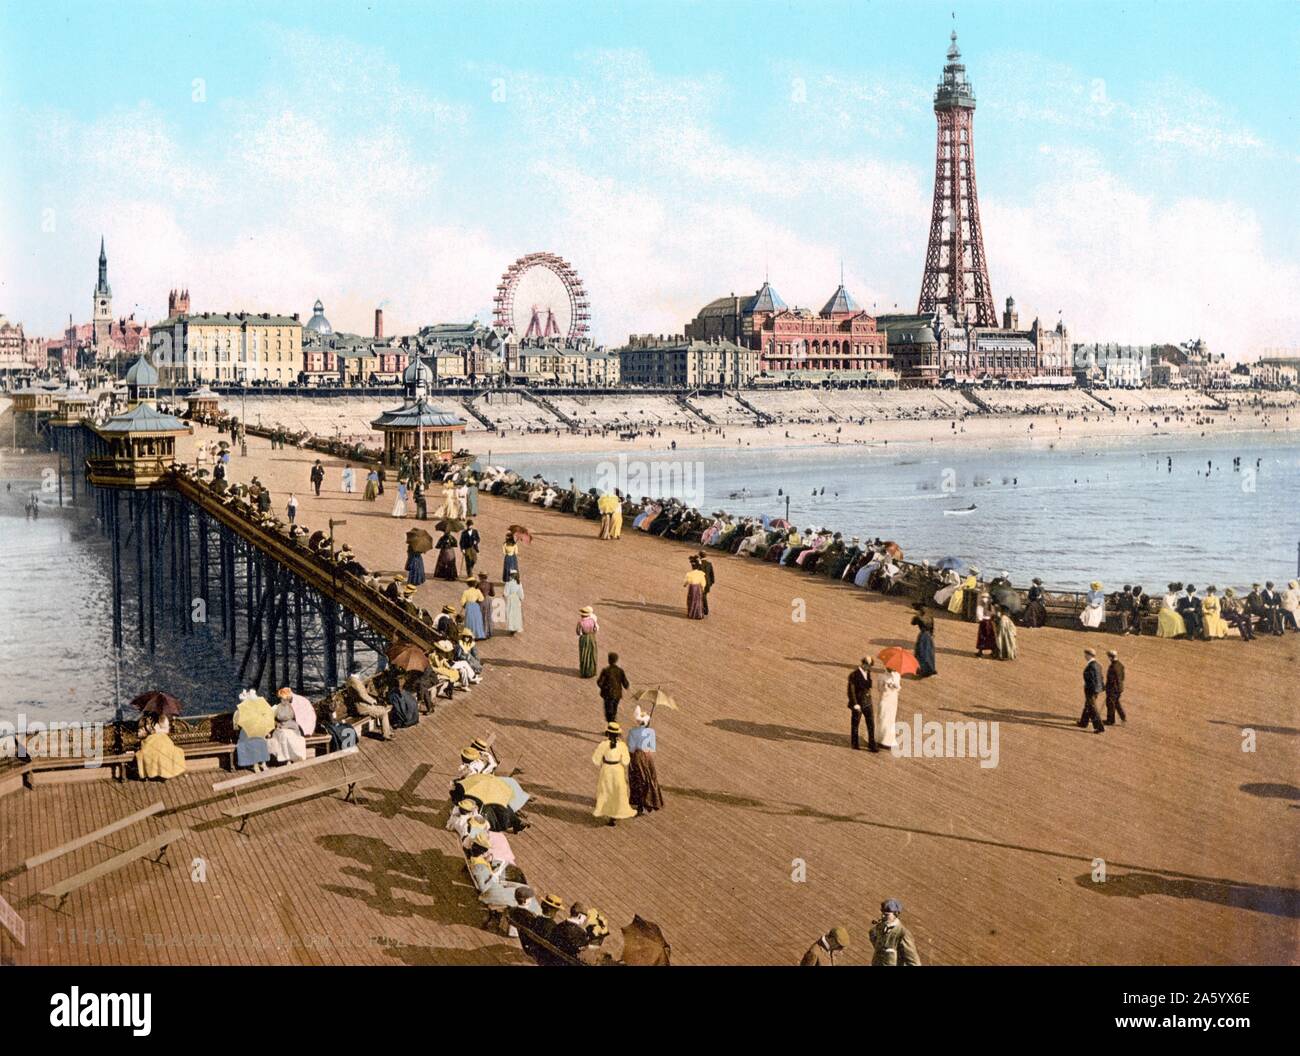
992 865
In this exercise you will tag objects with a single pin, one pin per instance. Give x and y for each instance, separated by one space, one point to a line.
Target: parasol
607 503
894 550
954 563
450 524
898 659
779 522
419 541
155 702
488 789
407 656
304 714
655 697
254 717
521 534
518 797
1009 598
644 944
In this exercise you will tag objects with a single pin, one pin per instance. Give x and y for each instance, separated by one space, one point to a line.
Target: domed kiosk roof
318 323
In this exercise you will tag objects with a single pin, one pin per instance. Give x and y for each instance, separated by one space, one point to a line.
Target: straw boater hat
586 610
449 610
466 635
552 902
478 744
468 755
1095 584
472 581
408 589
444 646
468 806
613 728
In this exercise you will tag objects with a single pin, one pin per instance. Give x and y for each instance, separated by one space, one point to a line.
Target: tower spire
956 273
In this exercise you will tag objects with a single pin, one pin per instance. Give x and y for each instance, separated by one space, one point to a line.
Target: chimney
379 323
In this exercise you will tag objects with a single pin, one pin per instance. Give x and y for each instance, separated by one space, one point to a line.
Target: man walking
469 544
823 951
1093 686
317 476
860 706
611 682
706 566
891 943
1114 689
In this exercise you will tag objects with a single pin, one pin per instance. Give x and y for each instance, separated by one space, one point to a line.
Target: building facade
223 348
676 361
1113 365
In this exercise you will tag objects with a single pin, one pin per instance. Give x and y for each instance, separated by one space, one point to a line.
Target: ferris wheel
542 296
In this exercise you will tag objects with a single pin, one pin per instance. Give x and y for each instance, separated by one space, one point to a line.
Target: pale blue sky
1137 162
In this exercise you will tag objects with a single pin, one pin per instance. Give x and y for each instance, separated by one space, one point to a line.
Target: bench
158 844
283 771
92 837
246 810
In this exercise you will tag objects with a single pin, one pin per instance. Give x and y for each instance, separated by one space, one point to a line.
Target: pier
773 829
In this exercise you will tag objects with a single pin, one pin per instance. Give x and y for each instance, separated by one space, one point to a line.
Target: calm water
56 630
1141 511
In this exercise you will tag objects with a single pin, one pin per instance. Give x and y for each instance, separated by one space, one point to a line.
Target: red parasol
898 659
894 550
521 534
407 656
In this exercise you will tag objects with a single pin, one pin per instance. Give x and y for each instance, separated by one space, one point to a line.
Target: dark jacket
1114 680
1093 682
611 682
859 689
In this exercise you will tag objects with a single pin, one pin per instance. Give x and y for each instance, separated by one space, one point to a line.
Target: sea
1146 510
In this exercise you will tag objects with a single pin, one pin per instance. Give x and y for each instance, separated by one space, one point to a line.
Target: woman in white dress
348 478
513 593
951 581
286 743
399 506
1094 610
887 687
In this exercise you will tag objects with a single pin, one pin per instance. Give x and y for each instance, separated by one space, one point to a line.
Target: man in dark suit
1139 609
469 545
570 935
1114 689
1189 607
1256 612
860 705
611 682
1124 606
1272 601
1094 685
706 566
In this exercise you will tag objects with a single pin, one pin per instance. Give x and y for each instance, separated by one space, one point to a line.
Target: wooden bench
283 771
158 844
92 837
246 810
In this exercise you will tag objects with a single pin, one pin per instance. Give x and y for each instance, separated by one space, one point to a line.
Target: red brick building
840 339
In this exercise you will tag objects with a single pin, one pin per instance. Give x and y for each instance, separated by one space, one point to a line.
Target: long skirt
514 614
1006 639
1170 624
251 750
986 637
1093 615
492 612
287 745
446 566
474 619
695 602
1035 613
510 564
925 654
886 717
643 782
471 502
159 757
371 492
611 792
415 569
399 507
587 655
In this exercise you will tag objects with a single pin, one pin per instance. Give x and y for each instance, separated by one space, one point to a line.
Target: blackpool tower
956 272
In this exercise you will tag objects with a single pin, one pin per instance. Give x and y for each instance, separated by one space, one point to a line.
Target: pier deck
992 865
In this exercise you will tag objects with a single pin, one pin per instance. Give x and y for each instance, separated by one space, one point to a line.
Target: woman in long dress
986 637
695 583
158 758
514 595
471 605
956 603
586 631
446 565
643 780
951 582
287 744
616 524
254 720
510 557
493 607
1094 609
924 624
611 757
471 497
399 504
1215 625
450 505
1006 634
414 566
887 687
1170 622
348 478
372 486
1035 605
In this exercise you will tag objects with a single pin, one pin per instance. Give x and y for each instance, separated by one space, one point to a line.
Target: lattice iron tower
956 272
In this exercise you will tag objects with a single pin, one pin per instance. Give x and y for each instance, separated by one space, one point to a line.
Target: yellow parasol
487 789
255 717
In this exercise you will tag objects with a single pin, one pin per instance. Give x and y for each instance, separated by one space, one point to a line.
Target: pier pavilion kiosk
201 405
418 422
141 383
136 450
71 407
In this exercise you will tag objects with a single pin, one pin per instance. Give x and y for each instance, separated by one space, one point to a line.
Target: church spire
102 287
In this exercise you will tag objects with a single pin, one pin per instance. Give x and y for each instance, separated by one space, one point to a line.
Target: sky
1137 162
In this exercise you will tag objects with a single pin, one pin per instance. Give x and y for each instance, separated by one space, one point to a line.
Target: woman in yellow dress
158 758
611 756
1170 622
957 602
616 526
1215 625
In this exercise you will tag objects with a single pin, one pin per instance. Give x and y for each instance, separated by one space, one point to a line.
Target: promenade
993 866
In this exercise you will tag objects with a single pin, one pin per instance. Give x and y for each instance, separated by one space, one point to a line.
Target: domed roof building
417 375
318 324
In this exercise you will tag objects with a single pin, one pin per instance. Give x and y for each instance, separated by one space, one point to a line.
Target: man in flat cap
823 951
891 943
